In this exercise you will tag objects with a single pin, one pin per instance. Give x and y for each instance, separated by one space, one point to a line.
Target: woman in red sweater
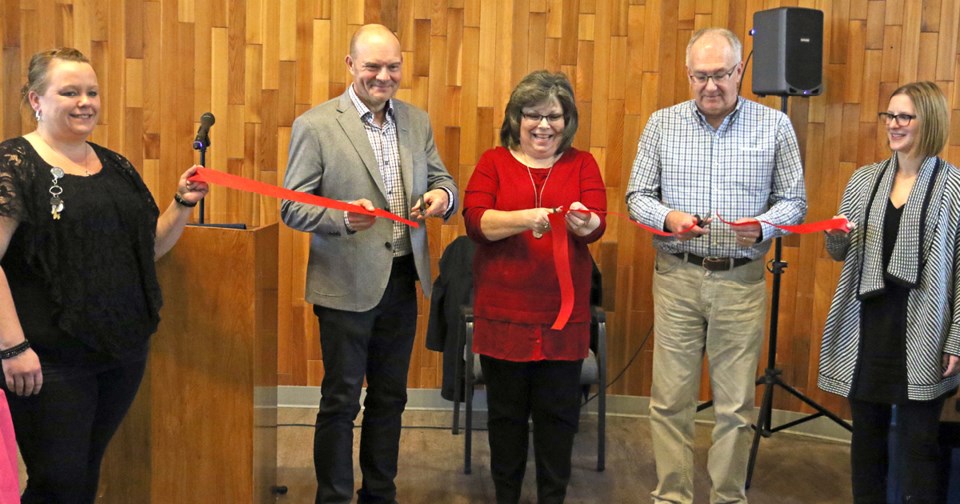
531 369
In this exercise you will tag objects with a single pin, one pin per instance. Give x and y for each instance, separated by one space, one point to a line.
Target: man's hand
685 226
747 236
358 221
436 203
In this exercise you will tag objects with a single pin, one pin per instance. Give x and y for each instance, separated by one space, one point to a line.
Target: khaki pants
721 314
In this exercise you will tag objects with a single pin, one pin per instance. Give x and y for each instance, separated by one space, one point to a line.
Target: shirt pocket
751 170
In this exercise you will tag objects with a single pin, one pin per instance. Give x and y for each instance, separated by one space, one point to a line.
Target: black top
84 286
881 374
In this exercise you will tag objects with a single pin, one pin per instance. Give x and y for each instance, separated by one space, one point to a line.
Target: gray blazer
330 156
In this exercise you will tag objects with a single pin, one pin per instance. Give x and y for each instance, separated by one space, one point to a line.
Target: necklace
85 166
537 195
56 202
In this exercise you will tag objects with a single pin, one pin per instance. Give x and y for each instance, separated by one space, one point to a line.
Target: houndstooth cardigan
933 305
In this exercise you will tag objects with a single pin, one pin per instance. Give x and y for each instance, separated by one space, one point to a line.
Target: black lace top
84 284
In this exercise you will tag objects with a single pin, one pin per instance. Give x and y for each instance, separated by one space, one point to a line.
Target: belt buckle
714 263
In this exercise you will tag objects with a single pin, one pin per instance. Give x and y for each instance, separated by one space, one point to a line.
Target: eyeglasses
901 119
718 78
551 118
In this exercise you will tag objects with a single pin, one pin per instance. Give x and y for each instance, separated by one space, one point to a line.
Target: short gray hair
725 33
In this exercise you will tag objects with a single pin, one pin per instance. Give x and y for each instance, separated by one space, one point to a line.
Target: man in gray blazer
370 149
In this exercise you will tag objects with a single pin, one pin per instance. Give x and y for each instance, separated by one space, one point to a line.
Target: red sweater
517 294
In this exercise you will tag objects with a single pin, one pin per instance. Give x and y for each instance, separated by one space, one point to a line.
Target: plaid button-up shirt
386 148
748 167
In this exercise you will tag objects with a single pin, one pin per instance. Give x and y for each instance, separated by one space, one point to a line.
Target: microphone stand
772 375
201 145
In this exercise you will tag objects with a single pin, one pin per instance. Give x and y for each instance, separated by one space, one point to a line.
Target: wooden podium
203 426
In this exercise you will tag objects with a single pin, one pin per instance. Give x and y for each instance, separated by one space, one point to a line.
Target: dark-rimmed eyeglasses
718 78
551 118
901 119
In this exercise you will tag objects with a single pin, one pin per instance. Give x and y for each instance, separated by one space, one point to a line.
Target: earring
37 115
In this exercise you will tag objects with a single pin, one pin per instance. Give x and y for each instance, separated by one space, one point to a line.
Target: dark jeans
64 430
550 392
917 430
375 344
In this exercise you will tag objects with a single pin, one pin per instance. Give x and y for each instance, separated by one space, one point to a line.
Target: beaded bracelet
182 202
14 350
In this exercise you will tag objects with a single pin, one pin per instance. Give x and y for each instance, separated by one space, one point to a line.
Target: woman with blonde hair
79 298
892 336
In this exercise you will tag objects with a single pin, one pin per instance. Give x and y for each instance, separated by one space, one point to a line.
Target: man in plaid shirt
717 153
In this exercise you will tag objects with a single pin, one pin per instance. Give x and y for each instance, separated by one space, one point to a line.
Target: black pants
917 431
64 430
550 391
375 344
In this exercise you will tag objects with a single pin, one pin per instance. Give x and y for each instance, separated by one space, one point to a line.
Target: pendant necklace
537 195
56 202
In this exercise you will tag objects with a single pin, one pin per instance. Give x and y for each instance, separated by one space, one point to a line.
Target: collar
698 116
362 108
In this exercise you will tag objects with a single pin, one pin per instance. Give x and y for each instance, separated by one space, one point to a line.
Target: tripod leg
810 402
762 425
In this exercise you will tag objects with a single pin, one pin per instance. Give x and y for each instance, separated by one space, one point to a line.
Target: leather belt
713 263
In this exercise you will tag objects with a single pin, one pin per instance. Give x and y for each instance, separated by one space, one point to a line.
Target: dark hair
534 89
933 113
40 65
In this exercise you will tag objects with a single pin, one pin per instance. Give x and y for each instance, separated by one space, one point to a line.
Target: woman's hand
191 192
538 219
580 220
951 365
840 232
23 374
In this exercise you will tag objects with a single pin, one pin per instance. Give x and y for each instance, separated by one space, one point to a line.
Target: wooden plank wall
257 64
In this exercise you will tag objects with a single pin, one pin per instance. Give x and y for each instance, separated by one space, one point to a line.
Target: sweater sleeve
480 196
850 206
593 194
952 344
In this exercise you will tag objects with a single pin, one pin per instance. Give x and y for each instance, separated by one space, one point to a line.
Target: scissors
422 206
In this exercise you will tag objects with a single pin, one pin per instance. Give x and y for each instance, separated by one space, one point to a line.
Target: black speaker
788 52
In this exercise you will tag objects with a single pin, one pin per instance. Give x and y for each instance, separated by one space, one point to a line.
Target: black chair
469 374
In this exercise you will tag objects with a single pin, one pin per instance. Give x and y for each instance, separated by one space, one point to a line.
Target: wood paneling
258 63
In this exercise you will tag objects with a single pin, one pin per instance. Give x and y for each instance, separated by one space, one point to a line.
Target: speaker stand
771 377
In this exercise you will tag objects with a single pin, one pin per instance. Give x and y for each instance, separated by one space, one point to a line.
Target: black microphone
202 140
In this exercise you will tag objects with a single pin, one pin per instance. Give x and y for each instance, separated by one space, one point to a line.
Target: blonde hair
934 115
38 70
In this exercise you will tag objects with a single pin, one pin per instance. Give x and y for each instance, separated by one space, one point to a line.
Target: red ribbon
658 232
561 253
244 184
561 263
561 249
835 224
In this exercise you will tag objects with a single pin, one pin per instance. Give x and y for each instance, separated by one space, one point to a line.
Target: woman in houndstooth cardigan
892 335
